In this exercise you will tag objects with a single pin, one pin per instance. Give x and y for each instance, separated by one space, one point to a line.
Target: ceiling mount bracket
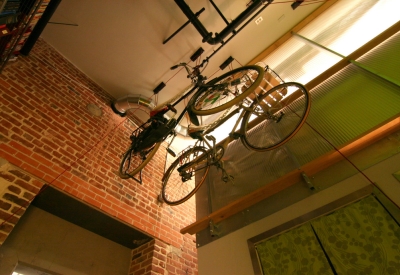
214 229
226 63
159 88
296 3
197 54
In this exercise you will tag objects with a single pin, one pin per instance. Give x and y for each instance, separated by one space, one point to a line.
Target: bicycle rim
132 162
211 100
175 191
276 116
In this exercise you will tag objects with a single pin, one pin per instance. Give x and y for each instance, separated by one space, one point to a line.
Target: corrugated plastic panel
385 58
299 61
351 103
348 25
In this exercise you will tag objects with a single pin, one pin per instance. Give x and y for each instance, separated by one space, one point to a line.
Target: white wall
43 240
230 254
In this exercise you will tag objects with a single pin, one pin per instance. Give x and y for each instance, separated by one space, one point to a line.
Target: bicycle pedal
228 178
172 153
281 114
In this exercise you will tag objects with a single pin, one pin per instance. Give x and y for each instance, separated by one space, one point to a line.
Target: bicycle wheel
132 162
226 90
179 186
275 116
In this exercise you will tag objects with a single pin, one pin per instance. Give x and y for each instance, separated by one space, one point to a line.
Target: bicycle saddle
193 117
194 132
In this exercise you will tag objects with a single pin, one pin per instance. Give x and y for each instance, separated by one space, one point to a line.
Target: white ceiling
118 43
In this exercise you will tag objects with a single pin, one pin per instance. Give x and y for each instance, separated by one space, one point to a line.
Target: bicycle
226 91
283 108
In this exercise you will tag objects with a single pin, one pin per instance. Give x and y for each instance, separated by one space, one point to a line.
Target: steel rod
183 26
219 12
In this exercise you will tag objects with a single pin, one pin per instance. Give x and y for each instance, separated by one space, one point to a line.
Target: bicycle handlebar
178 65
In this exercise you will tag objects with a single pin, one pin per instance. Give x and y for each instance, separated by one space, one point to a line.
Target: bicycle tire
140 161
209 100
176 191
281 112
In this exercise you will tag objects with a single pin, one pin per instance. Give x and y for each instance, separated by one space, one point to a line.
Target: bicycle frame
166 128
212 149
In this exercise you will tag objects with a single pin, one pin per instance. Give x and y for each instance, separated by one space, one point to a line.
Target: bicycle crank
225 176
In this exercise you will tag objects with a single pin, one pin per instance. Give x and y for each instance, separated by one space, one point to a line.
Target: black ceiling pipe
218 38
39 27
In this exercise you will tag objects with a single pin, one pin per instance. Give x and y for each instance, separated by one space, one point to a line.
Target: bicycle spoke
179 182
275 116
132 162
227 90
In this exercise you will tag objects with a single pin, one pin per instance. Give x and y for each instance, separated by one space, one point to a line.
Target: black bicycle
268 118
212 97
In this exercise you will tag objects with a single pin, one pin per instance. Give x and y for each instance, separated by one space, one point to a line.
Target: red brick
109 210
10 119
27 159
124 218
42 160
32 170
7 149
20 148
7 176
92 201
5 205
21 140
4 84
20 175
27 186
10 158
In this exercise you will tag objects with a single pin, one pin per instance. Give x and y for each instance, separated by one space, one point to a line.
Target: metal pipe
218 38
219 12
193 18
122 105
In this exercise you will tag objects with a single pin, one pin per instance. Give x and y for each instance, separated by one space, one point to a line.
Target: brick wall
48 135
17 188
156 257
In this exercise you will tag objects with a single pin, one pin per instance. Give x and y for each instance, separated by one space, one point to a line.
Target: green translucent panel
361 239
385 58
294 252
